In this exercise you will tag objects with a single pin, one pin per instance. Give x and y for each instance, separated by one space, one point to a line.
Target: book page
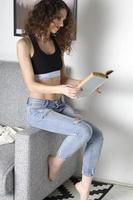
91 85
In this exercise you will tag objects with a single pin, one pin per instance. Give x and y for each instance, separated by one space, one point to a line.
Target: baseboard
108 181
113 182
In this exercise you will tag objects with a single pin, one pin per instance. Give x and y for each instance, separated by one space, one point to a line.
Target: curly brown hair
40 17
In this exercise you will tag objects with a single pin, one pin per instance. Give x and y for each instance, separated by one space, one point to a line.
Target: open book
93 81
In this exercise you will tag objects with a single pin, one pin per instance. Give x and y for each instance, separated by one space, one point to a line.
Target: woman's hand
98 90
69 90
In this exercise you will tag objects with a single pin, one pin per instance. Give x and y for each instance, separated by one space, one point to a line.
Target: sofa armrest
29 162
32 148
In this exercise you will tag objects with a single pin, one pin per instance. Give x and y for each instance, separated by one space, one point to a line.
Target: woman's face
58 21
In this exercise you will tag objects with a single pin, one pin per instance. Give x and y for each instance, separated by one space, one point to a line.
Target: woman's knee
97 133
85 132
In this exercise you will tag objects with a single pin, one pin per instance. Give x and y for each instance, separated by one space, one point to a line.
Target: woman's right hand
69 90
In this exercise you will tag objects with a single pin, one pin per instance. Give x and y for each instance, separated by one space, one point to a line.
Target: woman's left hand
98 90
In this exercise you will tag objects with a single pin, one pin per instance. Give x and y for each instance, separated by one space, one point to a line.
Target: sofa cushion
6 168
13 98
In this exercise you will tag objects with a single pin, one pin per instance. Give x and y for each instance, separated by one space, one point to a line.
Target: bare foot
84 192
53 168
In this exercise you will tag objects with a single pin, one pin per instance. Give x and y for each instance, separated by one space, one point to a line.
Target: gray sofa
23 164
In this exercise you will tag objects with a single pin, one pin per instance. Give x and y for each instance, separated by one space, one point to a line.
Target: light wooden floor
119 193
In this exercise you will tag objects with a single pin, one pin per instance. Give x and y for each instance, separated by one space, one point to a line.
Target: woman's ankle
86 181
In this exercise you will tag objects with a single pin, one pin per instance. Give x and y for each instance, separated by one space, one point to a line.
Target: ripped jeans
58 117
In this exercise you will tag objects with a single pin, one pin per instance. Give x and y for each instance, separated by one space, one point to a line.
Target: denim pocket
35 106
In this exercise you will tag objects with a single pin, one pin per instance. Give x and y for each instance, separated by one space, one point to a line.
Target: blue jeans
58 117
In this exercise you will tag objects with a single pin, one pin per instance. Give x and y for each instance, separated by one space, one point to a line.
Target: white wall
7 40
104 41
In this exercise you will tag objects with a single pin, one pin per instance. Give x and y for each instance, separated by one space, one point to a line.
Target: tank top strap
34 42
56 44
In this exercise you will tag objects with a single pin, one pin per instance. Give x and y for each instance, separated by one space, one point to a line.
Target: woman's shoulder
24 44
24 41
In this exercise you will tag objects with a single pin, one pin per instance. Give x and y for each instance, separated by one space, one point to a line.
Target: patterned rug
68 191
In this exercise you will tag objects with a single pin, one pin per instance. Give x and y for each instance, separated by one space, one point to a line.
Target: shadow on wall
108 110
98 17
95 22
112 123
95 19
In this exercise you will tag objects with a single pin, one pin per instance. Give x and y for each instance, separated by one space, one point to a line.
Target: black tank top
45 63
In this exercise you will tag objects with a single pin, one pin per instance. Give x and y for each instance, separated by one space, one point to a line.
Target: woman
48 34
